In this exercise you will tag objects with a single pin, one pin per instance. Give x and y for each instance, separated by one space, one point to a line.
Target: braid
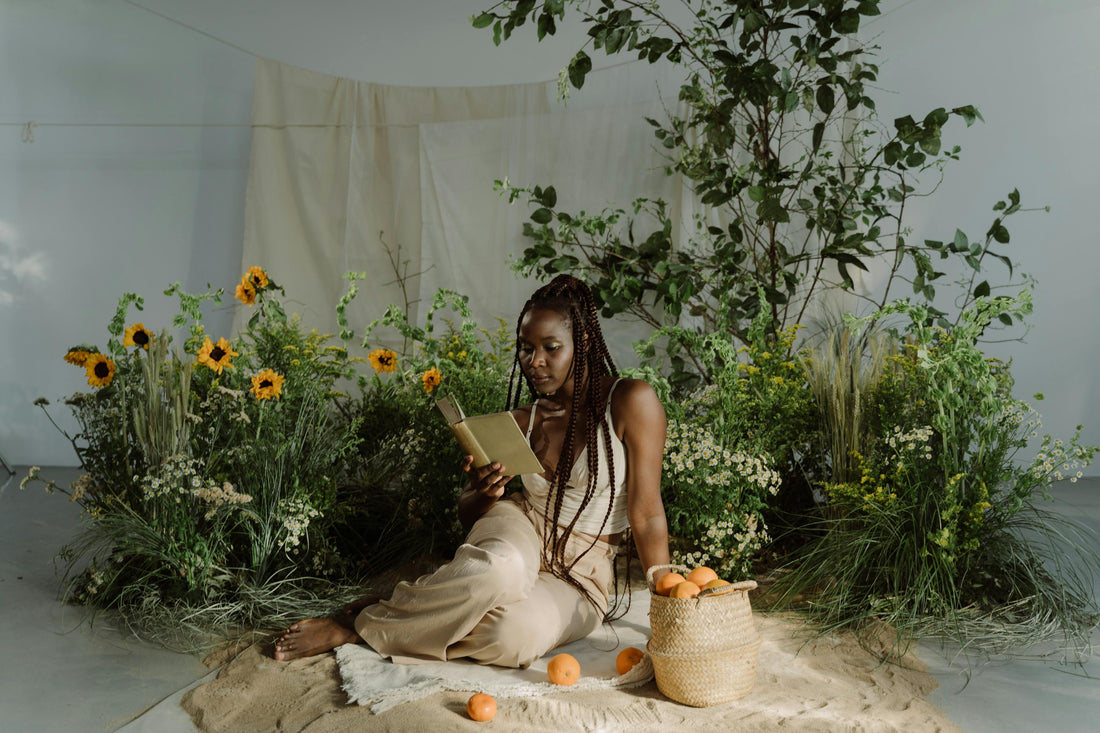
592 362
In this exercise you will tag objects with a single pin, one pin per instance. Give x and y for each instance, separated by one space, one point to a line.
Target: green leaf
960 244
847 259
771 209
1005 319
826 98
982 291
819 133
550 197
969 113
483 21
756 193
542 216
848 22
579 68
930 143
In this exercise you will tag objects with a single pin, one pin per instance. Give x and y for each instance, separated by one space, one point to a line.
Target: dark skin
545 352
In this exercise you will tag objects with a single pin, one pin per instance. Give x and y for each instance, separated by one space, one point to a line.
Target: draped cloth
348 175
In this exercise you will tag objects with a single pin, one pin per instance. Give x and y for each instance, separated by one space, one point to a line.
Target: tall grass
842 373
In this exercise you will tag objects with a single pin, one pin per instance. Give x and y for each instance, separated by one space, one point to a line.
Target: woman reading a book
537 568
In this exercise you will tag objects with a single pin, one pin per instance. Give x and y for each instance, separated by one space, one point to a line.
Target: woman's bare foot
313 636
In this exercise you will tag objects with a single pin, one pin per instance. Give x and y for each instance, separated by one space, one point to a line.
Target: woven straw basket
704 650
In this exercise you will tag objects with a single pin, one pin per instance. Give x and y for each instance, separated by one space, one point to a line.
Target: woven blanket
370 680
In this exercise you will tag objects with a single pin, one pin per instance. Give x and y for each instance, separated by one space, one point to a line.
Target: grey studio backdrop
126 137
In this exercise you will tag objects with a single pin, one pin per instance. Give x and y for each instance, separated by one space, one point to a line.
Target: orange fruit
481 707
627 659
667 582
716 583
564 669
687 589
701 575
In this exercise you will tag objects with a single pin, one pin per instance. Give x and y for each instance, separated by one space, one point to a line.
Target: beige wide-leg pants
494 602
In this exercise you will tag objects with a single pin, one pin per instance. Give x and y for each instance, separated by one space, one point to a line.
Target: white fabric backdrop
347 175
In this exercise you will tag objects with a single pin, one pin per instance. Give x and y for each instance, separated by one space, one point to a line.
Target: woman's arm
485 488
636 407
487 484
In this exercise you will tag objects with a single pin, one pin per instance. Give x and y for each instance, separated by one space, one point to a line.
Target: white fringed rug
370 680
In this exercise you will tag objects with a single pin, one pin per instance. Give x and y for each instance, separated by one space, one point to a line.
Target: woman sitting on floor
537 568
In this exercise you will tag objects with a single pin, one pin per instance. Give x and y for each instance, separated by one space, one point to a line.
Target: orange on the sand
667 582
481 707
687 589
564 669
627 659
701 575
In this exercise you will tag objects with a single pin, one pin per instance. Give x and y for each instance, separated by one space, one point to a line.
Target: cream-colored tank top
536 487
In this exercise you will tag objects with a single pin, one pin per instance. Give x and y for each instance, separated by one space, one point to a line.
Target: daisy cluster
1059 460
693 450
296 515
911 441
728 545
181 476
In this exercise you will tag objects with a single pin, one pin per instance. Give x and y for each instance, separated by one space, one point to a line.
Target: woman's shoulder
634 398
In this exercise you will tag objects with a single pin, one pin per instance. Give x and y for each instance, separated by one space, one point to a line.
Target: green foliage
801 184
408 487
202 480
929 528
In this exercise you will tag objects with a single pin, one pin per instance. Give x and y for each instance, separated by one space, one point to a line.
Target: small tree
799 183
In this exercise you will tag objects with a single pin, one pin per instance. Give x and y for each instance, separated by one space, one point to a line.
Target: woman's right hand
488 481
486 487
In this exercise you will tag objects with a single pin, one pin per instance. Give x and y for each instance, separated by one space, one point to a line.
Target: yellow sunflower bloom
77 357
216 356
100 370
257 277
267 384
246 291
383 360
136 335
431 379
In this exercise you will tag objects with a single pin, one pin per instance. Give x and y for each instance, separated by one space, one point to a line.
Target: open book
488 438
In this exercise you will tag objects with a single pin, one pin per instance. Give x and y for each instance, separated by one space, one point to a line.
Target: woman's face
546 349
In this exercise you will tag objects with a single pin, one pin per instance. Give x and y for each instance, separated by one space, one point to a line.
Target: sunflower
136 335
78 356
100 370
383 360
431 379
216 356
267 384
246 291
257 277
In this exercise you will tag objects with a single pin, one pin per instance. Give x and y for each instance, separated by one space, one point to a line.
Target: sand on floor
803 683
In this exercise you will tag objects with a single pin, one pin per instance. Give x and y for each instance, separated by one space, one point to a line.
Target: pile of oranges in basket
695 582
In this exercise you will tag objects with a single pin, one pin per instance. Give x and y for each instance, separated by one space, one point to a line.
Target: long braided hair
591 363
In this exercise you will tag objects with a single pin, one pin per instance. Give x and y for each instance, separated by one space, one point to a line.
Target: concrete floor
61 674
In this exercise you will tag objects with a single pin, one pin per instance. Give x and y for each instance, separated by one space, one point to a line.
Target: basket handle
744 585
654 568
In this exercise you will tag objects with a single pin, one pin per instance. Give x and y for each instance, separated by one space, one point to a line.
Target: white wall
89 212
1033 70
